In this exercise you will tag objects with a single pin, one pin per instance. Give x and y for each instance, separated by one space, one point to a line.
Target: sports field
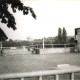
28 62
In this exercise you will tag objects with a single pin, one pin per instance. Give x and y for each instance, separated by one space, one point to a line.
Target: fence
41 46
55 45
71 70
47 49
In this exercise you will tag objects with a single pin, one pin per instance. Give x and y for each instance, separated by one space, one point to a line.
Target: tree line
61 38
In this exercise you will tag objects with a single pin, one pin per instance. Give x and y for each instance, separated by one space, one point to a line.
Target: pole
43 42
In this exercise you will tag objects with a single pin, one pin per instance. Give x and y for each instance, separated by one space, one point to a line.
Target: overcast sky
51 15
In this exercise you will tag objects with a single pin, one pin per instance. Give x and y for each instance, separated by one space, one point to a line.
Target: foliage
56 41
64 36
15 43
59 35
8 18
3 35
71 40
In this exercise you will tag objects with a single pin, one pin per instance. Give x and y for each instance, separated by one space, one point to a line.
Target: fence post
40 77
22 78
72 76
56 77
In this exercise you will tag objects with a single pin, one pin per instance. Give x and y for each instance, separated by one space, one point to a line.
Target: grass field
28 62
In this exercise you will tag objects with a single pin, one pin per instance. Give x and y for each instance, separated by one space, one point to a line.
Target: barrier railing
71 70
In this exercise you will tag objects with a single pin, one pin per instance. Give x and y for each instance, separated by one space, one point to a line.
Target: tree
56 41
64 36
2 35
59 35
71 40
8 18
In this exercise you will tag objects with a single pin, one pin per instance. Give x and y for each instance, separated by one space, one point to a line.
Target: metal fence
56 73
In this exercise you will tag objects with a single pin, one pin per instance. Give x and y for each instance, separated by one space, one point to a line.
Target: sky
51 15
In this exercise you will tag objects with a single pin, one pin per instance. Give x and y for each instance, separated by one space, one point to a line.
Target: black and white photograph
39 40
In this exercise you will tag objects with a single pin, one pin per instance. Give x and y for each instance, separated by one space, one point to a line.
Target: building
77 37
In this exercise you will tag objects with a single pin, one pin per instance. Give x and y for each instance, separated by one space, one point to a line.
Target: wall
54 50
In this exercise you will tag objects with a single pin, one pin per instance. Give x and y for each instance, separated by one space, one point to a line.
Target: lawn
28 62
